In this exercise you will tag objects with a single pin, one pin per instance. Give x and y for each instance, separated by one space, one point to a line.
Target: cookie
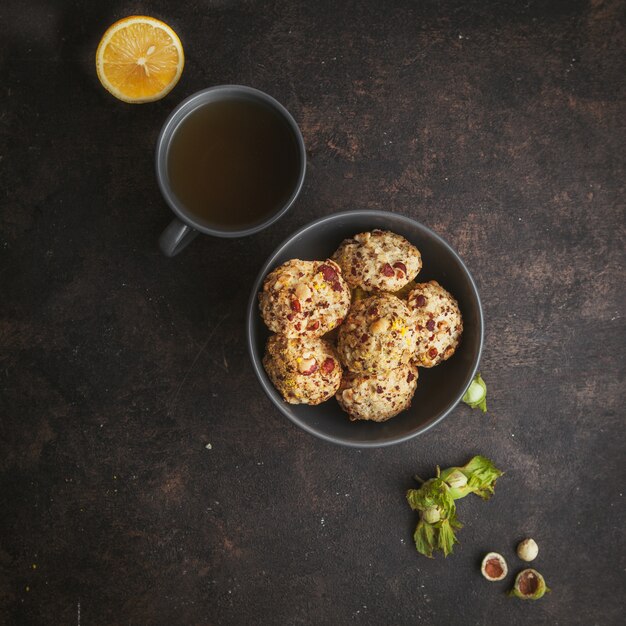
378 335
304 370
378 261
439 323
304 298
377 397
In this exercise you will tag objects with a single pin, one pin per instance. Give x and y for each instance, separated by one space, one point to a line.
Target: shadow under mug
186 226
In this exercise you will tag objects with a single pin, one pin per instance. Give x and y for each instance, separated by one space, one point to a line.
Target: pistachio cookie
377 397
439 323
378 335
378 261
304 298
304 370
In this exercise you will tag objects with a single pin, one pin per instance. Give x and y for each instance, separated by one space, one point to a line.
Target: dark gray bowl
439 389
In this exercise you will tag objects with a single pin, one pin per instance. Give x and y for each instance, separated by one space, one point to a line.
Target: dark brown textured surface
499 125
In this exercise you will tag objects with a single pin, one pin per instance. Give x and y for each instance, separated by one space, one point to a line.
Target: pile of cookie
388 326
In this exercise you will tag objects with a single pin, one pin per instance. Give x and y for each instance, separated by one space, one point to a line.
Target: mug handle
176 237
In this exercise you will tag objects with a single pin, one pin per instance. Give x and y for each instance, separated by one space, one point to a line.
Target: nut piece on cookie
304 370
439 323
377 397
378 261
378 335
304 298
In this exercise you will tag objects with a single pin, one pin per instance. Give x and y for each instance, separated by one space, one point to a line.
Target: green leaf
437 494
447 538
424 538
481 476
476 394
414 498
439 535
434 492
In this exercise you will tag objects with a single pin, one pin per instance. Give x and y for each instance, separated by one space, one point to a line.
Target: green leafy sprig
435 501
478 476
438 521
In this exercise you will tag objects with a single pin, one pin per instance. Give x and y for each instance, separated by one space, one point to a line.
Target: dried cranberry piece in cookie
328 365
329 274
388 270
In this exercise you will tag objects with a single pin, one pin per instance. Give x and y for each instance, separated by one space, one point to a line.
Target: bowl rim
257 365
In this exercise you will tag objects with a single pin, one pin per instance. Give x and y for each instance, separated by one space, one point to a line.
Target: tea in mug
232 163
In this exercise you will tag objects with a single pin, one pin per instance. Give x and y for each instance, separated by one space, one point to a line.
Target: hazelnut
431 515
305 366
302 291
347 395
280 282
379 326
527 550
456 479
494 567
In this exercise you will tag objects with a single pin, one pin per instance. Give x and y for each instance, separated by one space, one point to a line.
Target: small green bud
431 515
476 394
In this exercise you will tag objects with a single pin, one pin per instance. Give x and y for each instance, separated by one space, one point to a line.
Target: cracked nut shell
494 567
529 585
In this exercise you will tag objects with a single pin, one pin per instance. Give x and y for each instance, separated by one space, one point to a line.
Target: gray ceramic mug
186 226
